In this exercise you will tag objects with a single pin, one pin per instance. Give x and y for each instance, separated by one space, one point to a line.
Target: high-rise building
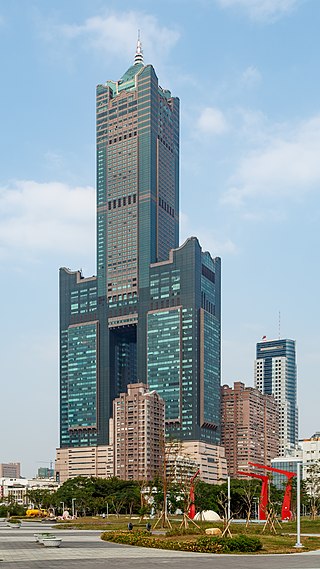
152 314
249 427
275 373
138 433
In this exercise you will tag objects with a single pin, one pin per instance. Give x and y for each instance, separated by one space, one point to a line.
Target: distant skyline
247 75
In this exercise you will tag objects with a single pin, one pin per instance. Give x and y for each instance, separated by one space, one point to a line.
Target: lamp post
73 508
255 507
298 543
62 507
229 498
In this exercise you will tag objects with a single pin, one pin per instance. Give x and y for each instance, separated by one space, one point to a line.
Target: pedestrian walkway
17 545
85 550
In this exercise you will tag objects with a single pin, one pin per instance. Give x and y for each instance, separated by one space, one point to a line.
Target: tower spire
139 53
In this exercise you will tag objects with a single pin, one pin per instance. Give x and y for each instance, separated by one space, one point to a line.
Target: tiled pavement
85 550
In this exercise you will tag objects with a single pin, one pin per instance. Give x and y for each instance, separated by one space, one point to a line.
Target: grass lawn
279 543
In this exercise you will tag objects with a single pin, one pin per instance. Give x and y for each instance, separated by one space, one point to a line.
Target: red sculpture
264 495
286 513
192 508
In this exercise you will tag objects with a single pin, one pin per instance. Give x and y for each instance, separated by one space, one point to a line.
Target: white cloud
46 217
54 159
250 77
262 10
216 247
212 121
116 34
207 239
287 165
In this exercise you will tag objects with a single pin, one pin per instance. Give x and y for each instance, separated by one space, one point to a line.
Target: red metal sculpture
192 508
286 513
264 495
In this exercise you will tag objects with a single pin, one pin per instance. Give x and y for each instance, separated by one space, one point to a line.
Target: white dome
207 516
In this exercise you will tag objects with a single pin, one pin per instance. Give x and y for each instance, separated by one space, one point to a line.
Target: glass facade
276 374
82 376
289 464
155 306
183 341
164 358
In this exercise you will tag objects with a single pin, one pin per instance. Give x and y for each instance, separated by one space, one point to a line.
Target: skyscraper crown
139 53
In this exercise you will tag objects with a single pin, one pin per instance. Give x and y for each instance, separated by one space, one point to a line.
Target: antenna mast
279 323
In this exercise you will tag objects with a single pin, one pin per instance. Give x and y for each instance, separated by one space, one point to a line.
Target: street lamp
229 498
255 499
73 508
298 543
62 507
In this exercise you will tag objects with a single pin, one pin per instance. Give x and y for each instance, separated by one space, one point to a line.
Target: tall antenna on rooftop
139 53
279 324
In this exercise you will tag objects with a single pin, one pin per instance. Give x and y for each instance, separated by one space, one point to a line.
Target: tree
40 498
91 495
250 494
172 482
312 486
206 496
81 489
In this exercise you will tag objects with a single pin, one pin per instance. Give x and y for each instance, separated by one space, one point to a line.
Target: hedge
205 544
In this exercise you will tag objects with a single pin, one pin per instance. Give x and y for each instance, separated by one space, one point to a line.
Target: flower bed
203 544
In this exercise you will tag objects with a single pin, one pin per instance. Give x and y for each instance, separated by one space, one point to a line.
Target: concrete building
310 449
45 472
209 459
10 470
275 373
15 489
138 433
306 453
179 466
250 427
84 461
152 313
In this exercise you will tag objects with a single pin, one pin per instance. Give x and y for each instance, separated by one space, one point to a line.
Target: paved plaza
85 550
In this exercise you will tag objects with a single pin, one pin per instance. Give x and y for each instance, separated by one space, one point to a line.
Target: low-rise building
15 489
84 461
210 460
310 451
10 470
289 463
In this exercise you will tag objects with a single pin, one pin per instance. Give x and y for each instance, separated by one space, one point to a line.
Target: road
85 550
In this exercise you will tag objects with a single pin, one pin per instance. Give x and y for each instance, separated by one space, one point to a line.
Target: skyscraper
152 314
276 374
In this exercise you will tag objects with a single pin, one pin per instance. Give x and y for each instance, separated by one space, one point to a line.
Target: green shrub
240 543
12 510
243 543
203 544
141 538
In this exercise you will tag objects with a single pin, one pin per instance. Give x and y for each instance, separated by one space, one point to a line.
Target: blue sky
247 75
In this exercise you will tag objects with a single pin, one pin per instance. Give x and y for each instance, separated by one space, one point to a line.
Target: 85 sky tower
152 314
